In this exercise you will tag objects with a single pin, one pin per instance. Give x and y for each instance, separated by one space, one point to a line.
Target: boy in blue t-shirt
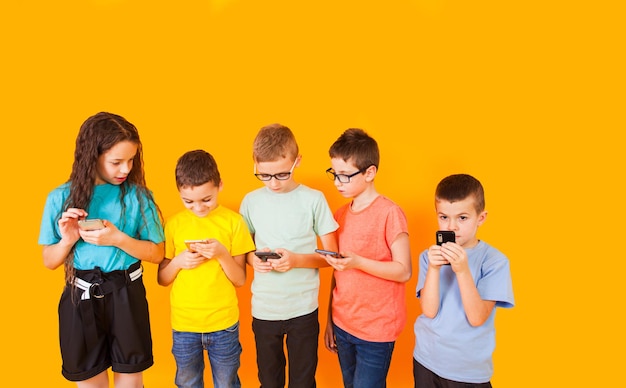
460 284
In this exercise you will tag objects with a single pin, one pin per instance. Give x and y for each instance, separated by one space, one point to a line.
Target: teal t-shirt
140 220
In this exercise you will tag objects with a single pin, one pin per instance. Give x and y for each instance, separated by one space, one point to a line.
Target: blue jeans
224 351
364 364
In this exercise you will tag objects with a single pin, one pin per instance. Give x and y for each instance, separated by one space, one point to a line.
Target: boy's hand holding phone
261 260
188 260
279 260
209 248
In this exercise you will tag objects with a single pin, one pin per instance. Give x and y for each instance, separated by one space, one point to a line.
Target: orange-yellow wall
525 95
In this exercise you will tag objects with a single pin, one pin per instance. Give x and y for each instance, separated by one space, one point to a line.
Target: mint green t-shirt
292 221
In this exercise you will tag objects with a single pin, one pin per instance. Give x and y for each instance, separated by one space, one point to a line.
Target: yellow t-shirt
203 299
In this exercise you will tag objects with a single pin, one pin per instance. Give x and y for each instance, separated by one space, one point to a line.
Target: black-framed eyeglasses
343 178
281 176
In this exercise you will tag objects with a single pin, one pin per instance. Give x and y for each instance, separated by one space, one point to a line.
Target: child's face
282 167
347 171
201 200
460 217
114 165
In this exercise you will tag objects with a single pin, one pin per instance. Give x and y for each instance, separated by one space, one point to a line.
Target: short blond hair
273 142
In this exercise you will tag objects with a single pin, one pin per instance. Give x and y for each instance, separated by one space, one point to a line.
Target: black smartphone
334 254
264 256
443 236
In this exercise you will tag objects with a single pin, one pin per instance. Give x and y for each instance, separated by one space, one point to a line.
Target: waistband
106 282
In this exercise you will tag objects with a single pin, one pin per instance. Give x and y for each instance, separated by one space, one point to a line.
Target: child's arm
329 334
234 267
397 270
143 250
476 309
429 295
167 273
54 255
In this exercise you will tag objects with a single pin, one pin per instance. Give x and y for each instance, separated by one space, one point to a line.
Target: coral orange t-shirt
366 306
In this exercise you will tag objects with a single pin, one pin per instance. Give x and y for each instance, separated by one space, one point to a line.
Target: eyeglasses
281 176
343 178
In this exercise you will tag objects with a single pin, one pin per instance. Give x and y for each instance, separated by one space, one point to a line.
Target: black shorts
108 327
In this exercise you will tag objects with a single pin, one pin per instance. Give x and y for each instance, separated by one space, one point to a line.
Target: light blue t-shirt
292 221
447 344
140 221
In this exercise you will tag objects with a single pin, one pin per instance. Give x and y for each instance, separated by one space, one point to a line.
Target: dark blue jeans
224 350
364 364
302 340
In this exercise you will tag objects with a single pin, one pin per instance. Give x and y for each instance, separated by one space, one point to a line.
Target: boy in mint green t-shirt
286 217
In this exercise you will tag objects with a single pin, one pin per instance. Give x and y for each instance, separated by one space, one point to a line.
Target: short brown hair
457 187
273 142
356 144
196 168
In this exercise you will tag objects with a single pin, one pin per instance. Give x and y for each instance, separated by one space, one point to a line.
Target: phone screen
444 236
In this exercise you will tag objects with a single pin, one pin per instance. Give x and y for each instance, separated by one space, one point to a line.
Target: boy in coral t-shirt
367 307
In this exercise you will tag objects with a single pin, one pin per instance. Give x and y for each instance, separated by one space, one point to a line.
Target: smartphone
267 255
336 255
92 224
189 242
444 236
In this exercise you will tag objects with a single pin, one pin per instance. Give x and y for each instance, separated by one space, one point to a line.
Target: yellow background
528 96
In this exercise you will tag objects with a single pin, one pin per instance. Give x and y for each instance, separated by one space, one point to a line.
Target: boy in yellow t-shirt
204 305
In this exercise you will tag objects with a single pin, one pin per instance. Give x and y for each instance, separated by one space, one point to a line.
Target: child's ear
482 217
370 173
221 186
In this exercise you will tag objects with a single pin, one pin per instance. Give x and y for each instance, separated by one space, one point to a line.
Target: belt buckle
96 291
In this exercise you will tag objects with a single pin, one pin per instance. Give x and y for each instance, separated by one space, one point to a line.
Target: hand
456 256
211 248
349 260
435 257
68 224
110 235
286 261
329 338
260 265
188 260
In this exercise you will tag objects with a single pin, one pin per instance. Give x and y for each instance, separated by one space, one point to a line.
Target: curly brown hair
98 134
